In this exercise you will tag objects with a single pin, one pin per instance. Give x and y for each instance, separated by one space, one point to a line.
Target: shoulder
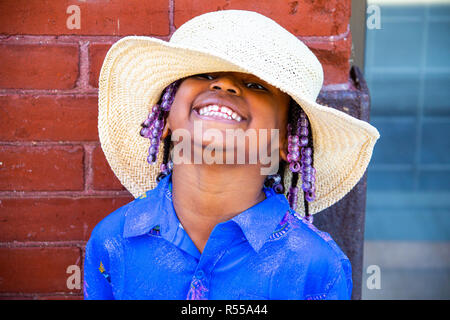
111 227
112 224
312 256
301 238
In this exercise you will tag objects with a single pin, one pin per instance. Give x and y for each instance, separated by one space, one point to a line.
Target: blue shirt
141 251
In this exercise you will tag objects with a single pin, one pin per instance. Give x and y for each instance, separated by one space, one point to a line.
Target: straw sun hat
137 68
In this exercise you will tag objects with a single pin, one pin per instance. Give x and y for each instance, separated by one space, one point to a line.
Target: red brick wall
55 184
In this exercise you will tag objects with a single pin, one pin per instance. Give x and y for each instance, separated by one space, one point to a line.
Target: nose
226 83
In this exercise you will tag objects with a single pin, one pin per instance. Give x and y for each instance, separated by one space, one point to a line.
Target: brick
48 118
100 17
37 66
334 57
97 53
28 270
54 219
104 177
302 18
41 168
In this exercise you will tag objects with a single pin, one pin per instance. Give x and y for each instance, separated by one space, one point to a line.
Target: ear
283 154
283 149
166 130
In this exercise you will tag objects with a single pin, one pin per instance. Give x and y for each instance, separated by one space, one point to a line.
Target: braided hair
294 117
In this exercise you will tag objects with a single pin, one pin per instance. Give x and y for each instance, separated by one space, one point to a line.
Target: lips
220 109
220 112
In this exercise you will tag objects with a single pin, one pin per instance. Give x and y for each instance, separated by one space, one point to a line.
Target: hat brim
137 68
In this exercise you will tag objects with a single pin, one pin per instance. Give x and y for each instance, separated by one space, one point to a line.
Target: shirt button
199 274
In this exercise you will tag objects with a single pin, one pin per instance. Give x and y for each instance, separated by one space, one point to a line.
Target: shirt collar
150 210
155 208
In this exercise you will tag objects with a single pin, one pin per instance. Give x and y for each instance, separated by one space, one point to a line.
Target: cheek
271 117
181 107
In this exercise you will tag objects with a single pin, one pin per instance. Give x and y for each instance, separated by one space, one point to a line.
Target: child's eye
256 85
249 84
205 75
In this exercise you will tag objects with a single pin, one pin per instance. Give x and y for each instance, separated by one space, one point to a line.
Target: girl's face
256 104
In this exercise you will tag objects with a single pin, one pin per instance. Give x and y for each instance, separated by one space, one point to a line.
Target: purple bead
165 105
278 188
302 115
170 164
293 139
162 167
144 132
292 197
293 203
152 150
306 160
154 141
151 159
307 177
158 123
306 186
293 148
303 131
304 141
155 133
306 152
310 196
307 169
303 122
167 95
155 109
294 156
276 178
294 166
147 122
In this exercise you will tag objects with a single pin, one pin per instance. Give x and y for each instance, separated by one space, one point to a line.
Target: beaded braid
153 126
300 157
166 165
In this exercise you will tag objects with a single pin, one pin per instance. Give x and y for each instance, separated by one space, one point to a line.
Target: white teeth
222 112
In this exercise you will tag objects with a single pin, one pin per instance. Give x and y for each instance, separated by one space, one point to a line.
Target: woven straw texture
137 68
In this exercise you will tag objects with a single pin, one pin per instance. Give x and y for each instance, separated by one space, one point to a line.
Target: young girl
221 229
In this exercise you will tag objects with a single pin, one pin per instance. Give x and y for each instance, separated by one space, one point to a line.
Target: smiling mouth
217 112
